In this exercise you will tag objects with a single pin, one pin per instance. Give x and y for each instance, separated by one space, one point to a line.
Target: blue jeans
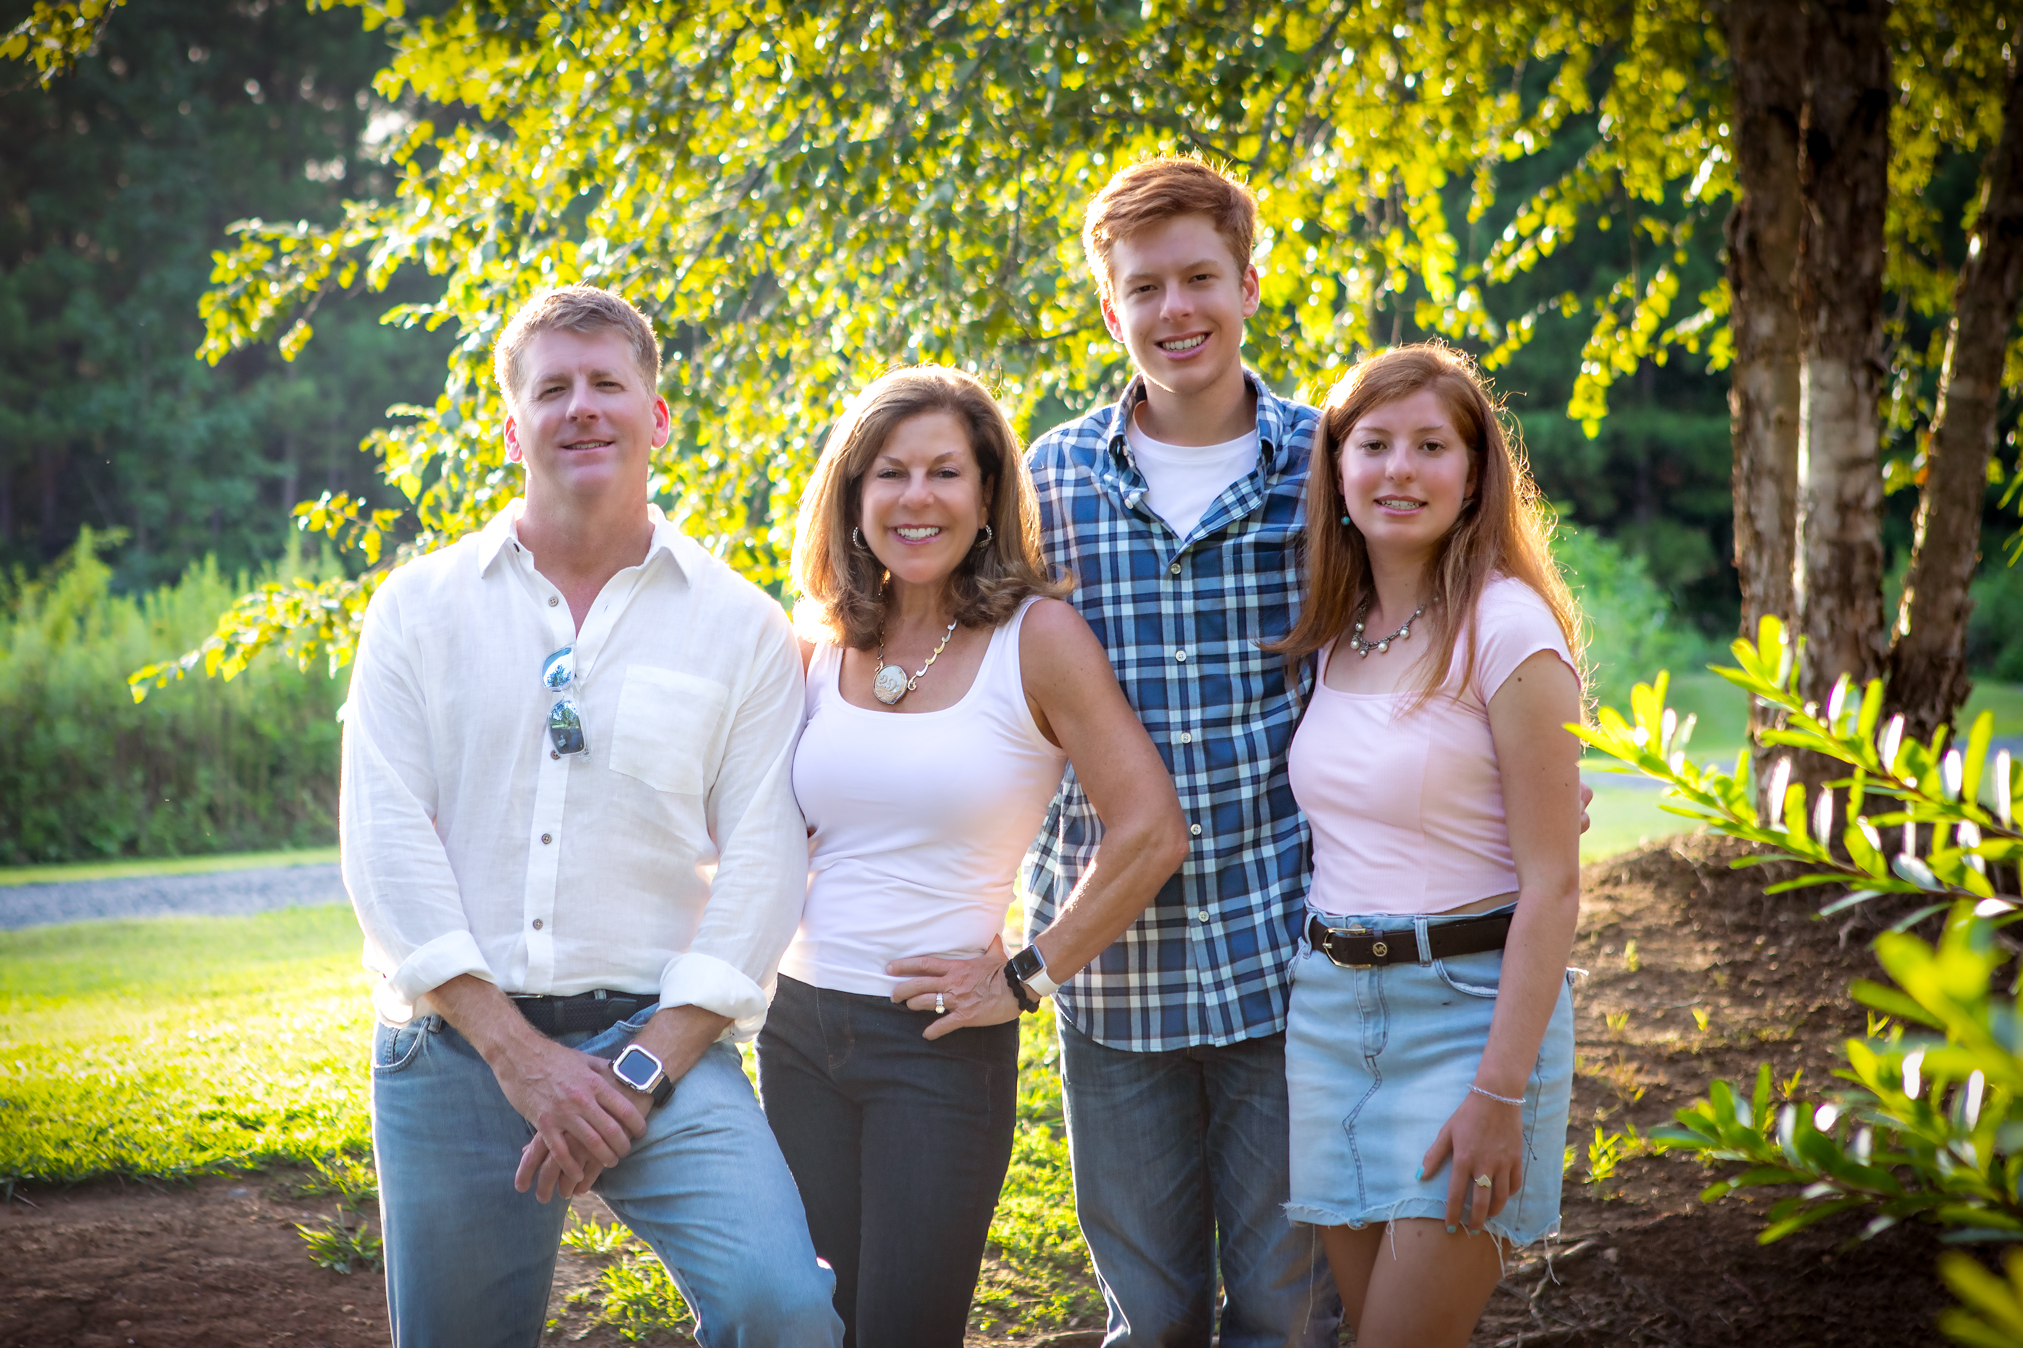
469 1261
1180 1167
899 1144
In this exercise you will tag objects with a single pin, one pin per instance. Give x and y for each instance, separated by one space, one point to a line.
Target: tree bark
1845 174
1764 229
1928 665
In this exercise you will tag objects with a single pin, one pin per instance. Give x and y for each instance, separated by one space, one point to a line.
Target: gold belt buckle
1376 948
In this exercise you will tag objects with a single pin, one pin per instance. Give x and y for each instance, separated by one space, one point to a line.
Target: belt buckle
1377 948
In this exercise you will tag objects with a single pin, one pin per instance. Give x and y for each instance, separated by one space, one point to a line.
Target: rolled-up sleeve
761 879
396 870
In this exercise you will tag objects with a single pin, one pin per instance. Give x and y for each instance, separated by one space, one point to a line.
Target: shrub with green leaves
208 765
1931 1126
1929 1122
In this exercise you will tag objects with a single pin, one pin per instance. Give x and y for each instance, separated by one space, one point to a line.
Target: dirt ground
1641 1260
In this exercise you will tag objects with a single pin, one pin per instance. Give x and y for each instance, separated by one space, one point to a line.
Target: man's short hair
1153 191
579 309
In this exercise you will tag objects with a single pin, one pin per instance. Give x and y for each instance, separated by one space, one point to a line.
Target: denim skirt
1377 1060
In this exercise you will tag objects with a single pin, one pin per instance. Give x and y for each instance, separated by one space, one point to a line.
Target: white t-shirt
1182 481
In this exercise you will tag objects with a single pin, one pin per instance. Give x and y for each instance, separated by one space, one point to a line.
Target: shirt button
537 924
1201 915
1186 737
1180 654
1195 829
554 753
547 837
553 601
1175 568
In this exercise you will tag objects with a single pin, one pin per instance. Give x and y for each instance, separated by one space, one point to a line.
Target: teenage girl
1429 1048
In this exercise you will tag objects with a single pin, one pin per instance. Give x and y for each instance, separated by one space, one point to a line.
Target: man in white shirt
556 727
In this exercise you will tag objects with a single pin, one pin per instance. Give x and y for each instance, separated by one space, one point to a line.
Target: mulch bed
1641 1260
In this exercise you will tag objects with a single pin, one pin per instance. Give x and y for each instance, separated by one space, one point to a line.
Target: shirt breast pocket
670 728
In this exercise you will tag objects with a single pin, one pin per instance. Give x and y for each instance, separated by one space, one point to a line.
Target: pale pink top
1407 806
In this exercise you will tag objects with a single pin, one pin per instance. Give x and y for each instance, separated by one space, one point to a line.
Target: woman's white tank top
918 822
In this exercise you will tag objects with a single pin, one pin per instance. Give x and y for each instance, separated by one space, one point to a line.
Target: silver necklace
890 683
1382 644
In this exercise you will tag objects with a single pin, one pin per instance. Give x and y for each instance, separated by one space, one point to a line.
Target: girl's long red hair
1504 527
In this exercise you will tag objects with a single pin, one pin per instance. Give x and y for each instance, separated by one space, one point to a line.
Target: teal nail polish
1450 1230
1420 1173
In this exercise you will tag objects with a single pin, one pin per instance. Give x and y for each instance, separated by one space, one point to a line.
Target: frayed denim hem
1305 1214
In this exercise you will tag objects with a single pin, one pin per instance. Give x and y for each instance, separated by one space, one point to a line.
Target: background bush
1632 627
201 766
1995 628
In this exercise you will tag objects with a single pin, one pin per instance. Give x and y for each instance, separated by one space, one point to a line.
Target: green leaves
1993 1314
801 195
1929 1127
1928 782
56 33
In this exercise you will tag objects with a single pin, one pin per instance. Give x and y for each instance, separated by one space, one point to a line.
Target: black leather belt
598 1010
1359 948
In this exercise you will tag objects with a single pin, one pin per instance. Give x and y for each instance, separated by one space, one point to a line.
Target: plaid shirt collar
1118 471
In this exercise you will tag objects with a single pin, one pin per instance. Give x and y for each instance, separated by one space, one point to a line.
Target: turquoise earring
1345 519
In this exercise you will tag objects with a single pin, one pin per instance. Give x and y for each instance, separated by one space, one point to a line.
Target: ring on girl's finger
1485 1181
940 1006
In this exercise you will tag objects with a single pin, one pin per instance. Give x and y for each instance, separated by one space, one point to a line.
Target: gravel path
249 891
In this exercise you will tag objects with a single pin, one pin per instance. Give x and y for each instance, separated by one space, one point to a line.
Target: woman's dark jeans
899 1145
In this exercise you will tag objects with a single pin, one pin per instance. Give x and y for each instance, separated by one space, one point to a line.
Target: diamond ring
940 1007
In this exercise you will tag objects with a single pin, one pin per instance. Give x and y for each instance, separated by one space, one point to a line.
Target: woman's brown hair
842 583
1504 527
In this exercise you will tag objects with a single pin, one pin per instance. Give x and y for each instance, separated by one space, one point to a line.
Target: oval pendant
1383 646
889 685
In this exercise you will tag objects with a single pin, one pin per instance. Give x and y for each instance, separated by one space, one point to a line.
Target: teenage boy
555 726
1177 510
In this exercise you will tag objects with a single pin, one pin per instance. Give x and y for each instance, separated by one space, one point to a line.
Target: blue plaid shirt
1182 619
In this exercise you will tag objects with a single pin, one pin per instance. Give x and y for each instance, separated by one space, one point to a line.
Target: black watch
1026 1001
641 1070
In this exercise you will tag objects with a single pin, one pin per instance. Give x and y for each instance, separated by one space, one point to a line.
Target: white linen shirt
469 847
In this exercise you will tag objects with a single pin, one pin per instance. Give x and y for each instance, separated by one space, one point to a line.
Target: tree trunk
1845 173
1763 244
1928 665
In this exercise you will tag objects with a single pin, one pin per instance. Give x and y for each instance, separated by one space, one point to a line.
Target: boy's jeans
1180 1161
469 1261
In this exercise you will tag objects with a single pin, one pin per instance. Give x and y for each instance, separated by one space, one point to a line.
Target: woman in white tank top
948 687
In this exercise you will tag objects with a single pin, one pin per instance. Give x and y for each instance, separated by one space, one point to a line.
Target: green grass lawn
168 1047
1623 818
2004 699
121 870
171 1046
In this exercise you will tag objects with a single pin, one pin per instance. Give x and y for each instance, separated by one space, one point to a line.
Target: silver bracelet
1500 1099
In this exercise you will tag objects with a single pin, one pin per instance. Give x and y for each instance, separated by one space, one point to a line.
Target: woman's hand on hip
971 991
1484 1137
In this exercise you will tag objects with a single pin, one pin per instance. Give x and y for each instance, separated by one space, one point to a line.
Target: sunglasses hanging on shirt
565 719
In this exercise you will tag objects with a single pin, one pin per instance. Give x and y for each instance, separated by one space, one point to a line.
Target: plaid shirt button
1207 962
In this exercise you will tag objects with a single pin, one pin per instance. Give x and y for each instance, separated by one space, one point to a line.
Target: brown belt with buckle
1361 947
